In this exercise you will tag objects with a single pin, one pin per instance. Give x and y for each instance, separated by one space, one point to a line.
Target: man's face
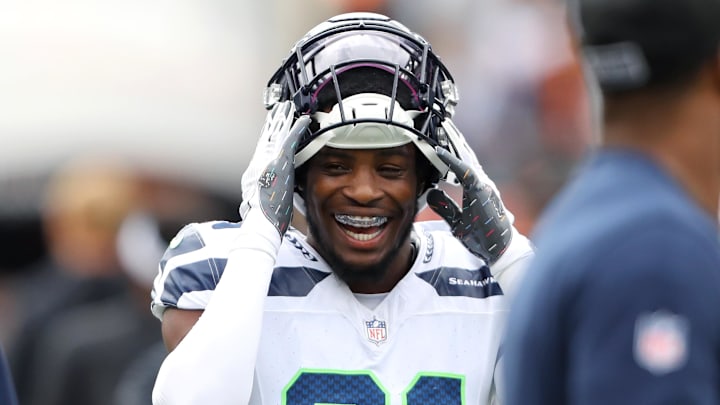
360 208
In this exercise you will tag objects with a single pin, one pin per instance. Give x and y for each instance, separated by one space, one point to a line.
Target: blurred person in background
84 205
526 102
83 310
85 351
620 302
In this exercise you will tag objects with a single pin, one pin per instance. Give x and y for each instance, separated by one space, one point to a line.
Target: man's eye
391 171
335 168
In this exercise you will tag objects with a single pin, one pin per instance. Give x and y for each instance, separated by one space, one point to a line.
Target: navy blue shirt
7 387
621 304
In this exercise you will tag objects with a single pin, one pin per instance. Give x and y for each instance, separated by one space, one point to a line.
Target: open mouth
361 228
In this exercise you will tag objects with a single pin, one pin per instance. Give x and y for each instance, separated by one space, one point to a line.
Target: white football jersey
433 339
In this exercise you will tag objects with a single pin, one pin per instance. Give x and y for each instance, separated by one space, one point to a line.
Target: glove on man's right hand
268 182
275 131
277 183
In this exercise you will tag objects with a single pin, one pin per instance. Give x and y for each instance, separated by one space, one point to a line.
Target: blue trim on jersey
188 240
294 281
456 282
192 277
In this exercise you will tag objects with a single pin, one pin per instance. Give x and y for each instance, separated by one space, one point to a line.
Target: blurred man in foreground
619 304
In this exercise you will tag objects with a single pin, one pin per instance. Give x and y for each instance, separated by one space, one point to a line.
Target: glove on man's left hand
482 225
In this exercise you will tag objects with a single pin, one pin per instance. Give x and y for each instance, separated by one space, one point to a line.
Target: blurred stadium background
168 92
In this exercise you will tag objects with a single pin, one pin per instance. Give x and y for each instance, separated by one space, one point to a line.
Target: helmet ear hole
301 180
427 175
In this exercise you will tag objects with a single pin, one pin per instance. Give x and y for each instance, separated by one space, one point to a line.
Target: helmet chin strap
299 203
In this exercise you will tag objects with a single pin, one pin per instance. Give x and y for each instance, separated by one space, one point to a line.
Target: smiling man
368 306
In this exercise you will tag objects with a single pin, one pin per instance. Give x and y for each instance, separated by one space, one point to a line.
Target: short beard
351 273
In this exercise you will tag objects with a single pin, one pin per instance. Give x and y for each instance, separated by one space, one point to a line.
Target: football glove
268 182
276 129
467 155
482 225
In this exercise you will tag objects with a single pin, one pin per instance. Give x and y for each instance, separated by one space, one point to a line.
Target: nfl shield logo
661 342
376 331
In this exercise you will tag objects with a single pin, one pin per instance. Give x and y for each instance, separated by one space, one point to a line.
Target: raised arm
213 362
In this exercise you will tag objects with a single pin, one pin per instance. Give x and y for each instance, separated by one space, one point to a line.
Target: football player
368 306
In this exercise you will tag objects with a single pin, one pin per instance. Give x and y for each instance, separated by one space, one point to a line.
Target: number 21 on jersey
335 387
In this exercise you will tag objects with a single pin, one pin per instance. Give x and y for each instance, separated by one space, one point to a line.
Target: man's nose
363 187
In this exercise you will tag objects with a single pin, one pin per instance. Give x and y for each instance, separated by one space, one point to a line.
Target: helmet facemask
368 82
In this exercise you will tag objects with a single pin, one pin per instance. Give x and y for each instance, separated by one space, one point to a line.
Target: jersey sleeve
645 323
191 266
235 309
510 268
638 325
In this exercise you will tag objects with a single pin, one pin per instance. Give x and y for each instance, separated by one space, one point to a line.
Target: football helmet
368 82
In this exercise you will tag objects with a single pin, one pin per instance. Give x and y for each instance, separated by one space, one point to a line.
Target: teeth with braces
360 221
